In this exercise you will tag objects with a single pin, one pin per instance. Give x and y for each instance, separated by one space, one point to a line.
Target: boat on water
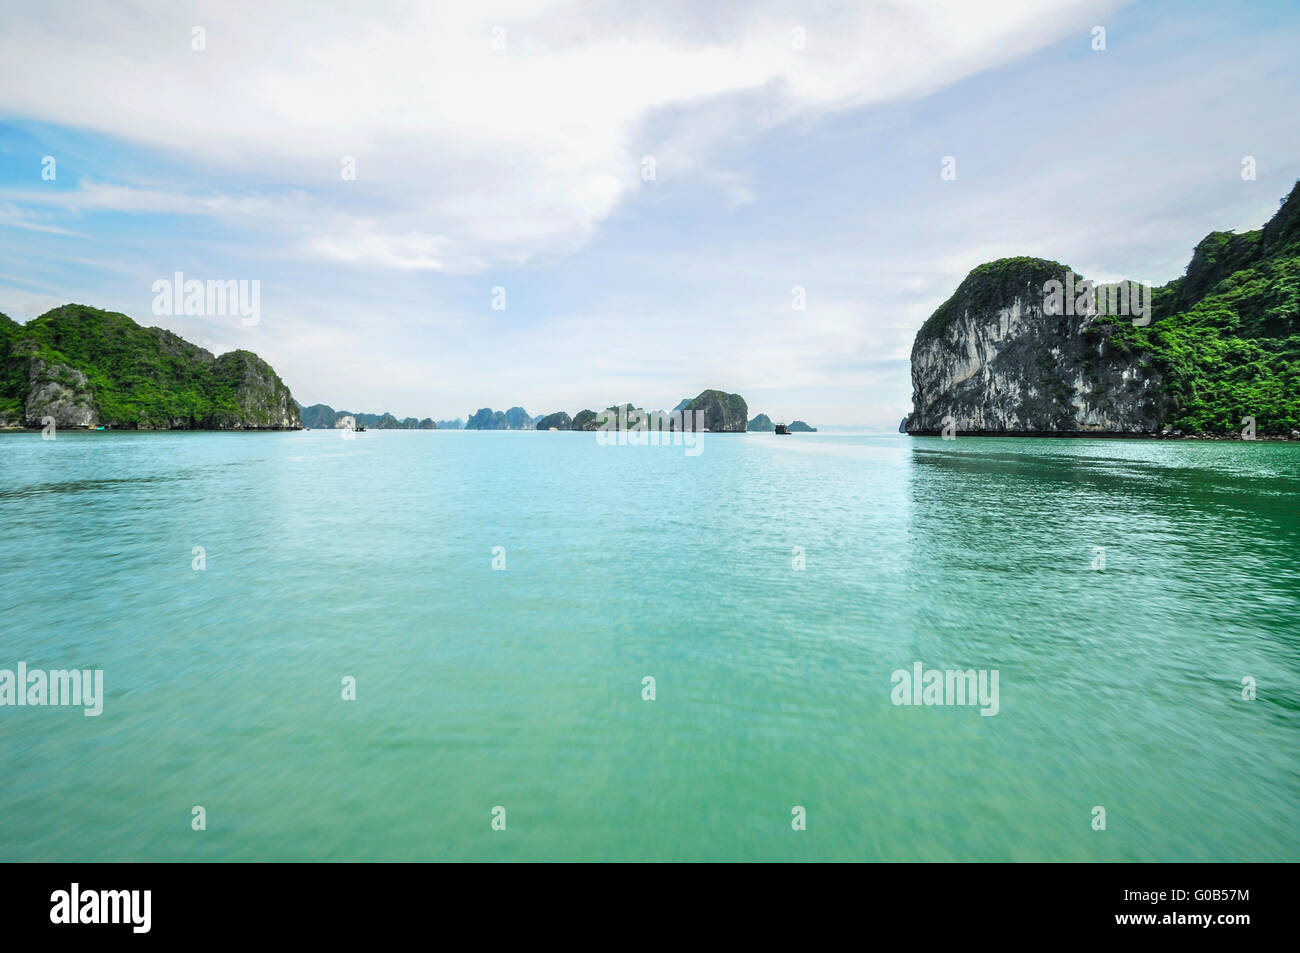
782 430
361 428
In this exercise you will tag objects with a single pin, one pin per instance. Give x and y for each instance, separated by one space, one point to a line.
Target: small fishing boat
782 430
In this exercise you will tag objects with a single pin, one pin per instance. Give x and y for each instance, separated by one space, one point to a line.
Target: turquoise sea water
477 688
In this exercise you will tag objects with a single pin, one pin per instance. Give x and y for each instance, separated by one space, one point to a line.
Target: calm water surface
522 688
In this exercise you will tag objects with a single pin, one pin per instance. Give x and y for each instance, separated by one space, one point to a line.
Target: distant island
516 418
1014 352
763 424
86 368
325 417
721 413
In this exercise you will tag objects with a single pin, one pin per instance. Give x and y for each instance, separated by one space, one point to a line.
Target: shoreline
1053 434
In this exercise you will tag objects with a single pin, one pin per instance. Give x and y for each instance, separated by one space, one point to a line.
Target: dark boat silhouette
782 429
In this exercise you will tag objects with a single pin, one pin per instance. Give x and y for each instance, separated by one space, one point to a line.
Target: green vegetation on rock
991 286
723 412
557 421
1222 344
1226 336
84 366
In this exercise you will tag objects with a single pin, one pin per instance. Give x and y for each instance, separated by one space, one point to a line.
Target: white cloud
469 156
14 217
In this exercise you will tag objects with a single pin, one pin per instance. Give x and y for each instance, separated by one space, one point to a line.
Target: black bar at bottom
1220 903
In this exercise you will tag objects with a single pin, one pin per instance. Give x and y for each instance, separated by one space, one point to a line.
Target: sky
645 192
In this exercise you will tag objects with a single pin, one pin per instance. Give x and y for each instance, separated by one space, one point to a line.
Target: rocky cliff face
993 361
60 393
85 367
1210 351
261 400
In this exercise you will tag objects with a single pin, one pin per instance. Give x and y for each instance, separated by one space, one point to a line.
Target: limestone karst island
1220 346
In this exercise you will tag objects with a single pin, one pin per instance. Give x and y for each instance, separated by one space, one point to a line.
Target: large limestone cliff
992 361
1213 352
